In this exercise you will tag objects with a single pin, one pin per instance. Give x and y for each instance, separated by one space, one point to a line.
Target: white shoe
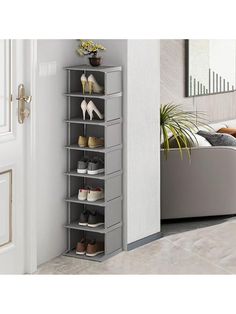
95 195
84 82
90 108
83 107
93 85
83 194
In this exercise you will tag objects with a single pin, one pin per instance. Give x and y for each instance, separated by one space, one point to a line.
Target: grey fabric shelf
98 258
109 104
75 225
100 229
85 67
102 176
99 149
87 95
74 199
94 122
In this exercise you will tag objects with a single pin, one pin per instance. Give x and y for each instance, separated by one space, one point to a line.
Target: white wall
142 142
140 60
51 138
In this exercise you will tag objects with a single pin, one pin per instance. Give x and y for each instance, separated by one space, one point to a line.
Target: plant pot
95 61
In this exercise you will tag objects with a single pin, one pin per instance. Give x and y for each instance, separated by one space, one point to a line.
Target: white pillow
231 123
215 127
201 141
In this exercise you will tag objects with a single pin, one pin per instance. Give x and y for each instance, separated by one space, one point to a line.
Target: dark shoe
83 219
94 248
95 220
81 247
96 166
82 165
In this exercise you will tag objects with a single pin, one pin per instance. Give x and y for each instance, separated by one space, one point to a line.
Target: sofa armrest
202 186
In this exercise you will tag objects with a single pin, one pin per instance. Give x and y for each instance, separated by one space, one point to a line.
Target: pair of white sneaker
90 85
91 195
90 107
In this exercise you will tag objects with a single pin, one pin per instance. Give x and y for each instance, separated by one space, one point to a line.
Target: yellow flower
88 46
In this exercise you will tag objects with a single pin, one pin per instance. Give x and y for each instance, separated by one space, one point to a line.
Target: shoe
81 247
94 248
82 165
95 195
83 193
95 220
83 141
84 82
83 107
83 218
95 166
94 142
93 85
90 108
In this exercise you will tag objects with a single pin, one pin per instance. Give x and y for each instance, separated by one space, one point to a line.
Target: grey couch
206 186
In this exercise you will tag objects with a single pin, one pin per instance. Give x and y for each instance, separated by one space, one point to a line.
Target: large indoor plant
180 124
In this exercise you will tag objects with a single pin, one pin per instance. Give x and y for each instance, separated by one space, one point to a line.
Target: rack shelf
74 199
87 95
100 229
99 149
94 122
76 226
102 176
98 258
85 67
109 103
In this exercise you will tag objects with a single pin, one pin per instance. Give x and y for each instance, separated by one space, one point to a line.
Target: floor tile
199 247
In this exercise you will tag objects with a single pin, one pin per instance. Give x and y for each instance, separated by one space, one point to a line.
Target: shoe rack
109 103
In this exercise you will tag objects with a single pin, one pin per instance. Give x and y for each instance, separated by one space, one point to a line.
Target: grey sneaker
95 220
82 165
96 166
83 219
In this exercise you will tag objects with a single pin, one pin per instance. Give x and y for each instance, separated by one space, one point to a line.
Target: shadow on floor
175 226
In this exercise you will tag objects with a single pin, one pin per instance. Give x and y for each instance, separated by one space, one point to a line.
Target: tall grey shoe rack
110 104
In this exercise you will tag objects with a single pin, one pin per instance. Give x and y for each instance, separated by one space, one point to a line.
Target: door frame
31 162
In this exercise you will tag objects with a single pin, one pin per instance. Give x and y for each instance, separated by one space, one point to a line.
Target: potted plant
89 48
180 124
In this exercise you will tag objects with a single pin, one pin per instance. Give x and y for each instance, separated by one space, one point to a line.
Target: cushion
231 131
200 141
218 139
230 123
216 126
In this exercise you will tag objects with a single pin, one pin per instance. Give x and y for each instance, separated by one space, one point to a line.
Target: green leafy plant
88 47
180 124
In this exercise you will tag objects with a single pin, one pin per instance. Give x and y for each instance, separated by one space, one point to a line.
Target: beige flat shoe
83 141
94 142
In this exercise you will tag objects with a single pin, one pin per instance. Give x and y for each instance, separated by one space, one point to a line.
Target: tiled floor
199 247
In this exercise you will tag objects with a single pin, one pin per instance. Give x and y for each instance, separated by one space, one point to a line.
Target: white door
12 157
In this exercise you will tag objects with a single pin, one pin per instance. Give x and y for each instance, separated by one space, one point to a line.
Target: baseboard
143 241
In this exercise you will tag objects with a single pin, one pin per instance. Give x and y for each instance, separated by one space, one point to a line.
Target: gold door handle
23 111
